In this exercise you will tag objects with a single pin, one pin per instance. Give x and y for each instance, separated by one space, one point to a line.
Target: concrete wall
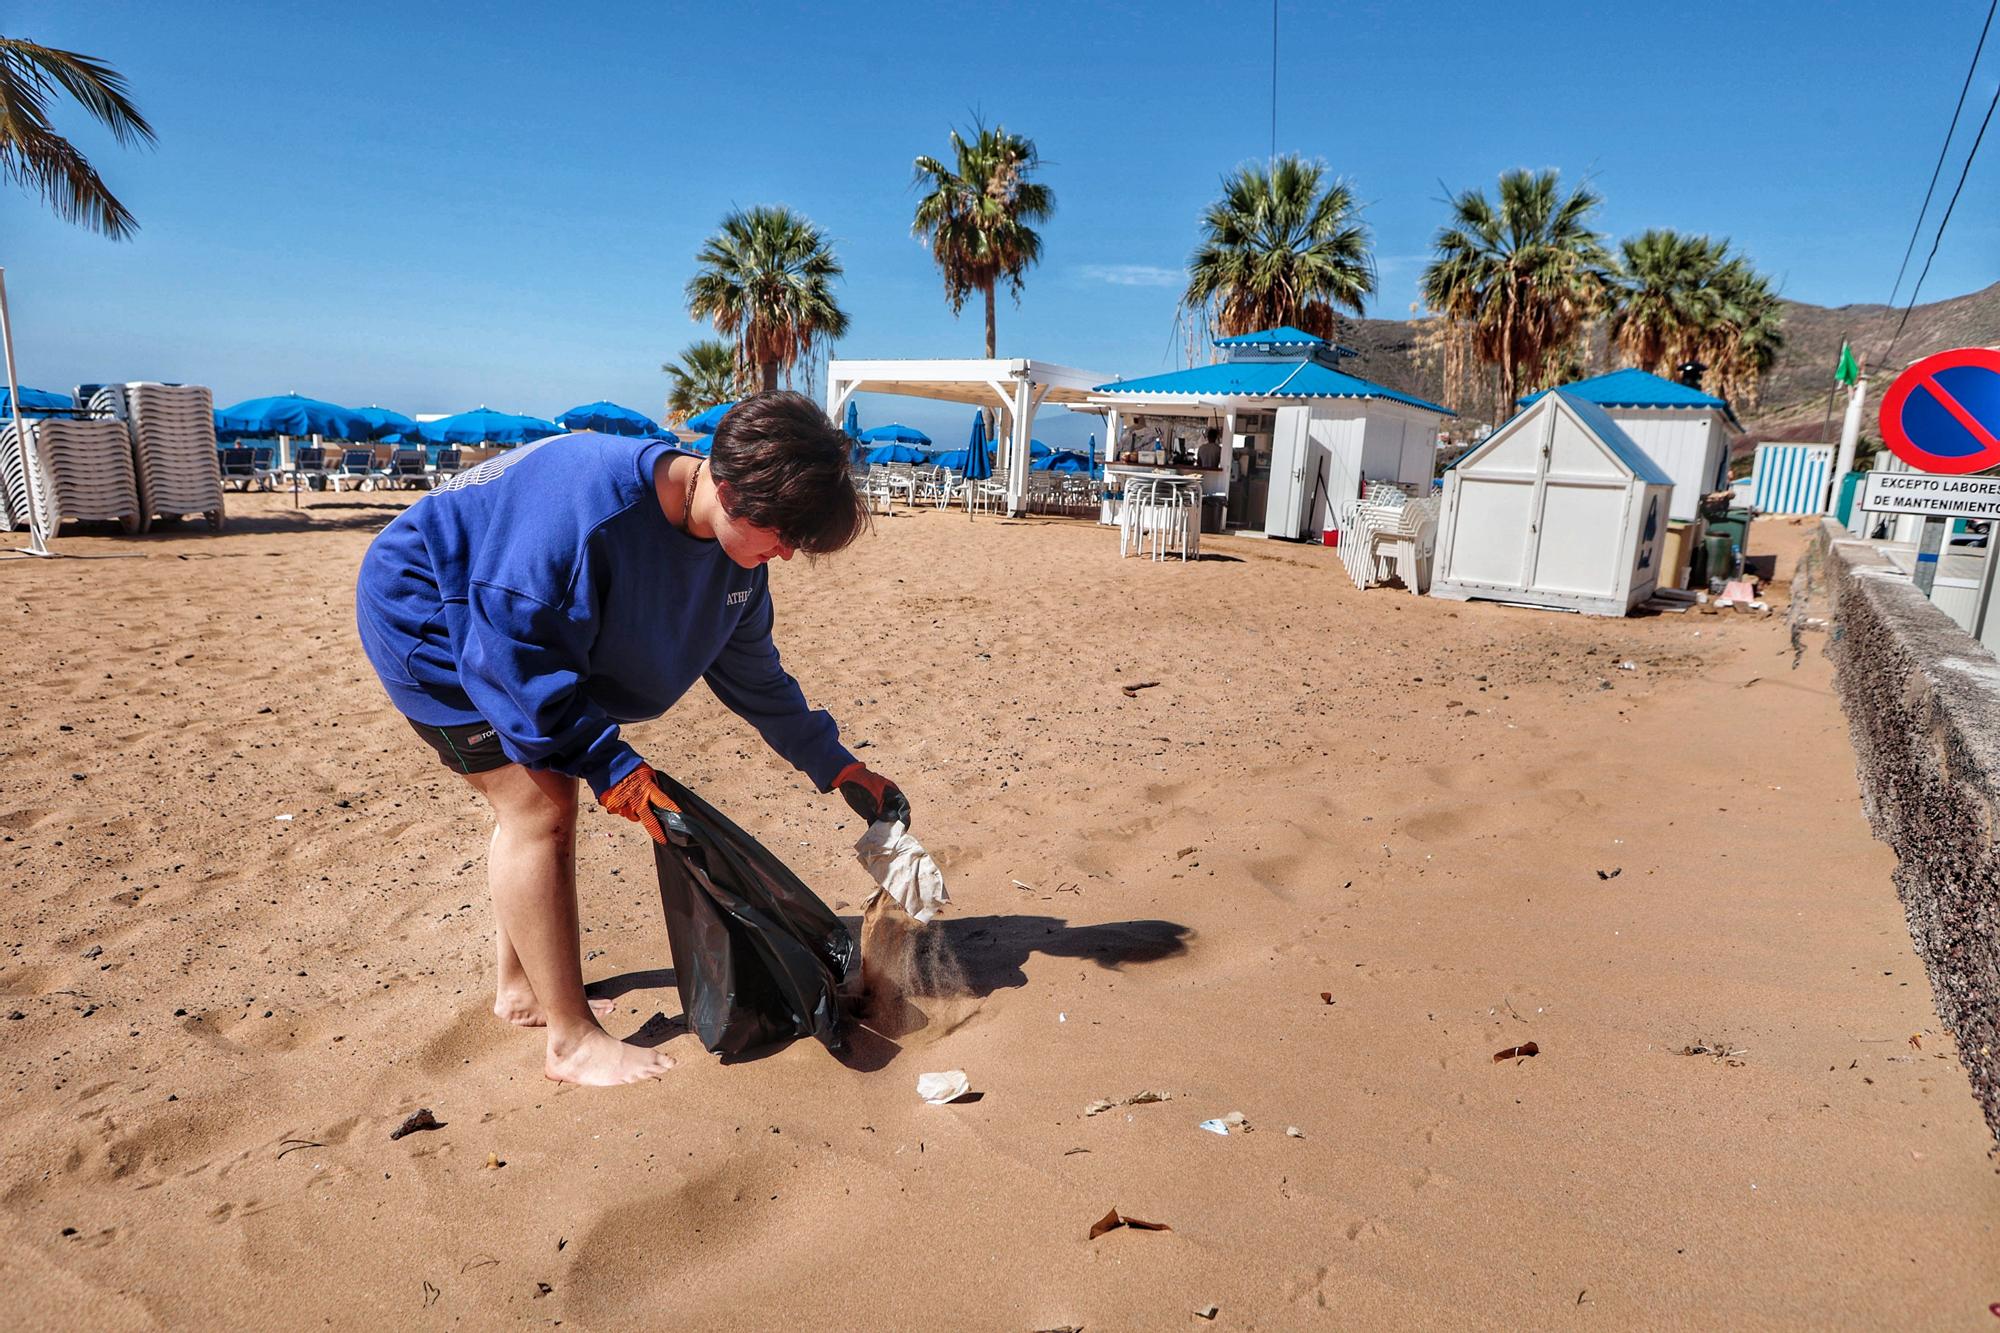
1923 703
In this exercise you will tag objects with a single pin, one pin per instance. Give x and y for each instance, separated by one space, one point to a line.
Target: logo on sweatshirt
737 598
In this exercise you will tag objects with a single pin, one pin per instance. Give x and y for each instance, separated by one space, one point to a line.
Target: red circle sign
1943 413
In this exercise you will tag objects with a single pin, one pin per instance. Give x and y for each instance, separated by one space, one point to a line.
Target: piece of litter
1326 997
1525 1049
902 869
1207 1312
419 1119
1062 1018
284 819
1214 1127
1144 1097
1132 691
1293 1131
493 1162
949 1086
1628 666
1611 874
1112 1220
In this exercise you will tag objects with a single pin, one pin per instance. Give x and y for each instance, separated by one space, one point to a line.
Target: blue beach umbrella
485 426
290 414
389 427
978 460
1036 449
700 444
705 421
895 432
955 459
896 453
610 419
1063 460
35 401
851 423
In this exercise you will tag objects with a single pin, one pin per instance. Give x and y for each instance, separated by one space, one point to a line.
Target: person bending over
525 608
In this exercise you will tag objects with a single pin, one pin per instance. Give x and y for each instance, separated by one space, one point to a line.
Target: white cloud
1133 275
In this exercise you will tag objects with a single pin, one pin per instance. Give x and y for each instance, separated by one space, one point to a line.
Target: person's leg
531 871
514 998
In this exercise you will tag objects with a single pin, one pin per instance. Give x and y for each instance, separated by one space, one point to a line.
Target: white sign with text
1931 495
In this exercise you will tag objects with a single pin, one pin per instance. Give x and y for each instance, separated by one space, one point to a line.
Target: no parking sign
1943 413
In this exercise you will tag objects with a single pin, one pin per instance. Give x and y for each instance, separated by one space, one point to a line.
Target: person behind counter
1209 456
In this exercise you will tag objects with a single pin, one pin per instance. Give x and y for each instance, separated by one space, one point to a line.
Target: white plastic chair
1403 543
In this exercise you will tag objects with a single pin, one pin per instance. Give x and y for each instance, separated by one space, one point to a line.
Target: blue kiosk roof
1287 378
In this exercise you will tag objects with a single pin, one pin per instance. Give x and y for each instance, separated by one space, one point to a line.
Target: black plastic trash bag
757 958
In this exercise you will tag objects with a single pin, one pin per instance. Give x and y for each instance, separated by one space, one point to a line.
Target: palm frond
34 154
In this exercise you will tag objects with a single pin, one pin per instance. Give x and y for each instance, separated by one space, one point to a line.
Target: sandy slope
1402 803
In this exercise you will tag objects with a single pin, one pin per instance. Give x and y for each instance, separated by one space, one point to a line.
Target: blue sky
434 207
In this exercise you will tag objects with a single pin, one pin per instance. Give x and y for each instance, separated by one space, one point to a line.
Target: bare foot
522 1009
599 1060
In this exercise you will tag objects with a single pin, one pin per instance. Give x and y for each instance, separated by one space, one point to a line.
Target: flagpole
1850 373
1850 436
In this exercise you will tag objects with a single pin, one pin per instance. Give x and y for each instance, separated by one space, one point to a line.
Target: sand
246 935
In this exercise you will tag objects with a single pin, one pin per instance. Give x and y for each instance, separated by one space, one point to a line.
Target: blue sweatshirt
544 592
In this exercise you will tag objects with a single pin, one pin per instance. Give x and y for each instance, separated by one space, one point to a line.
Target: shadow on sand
967 959
976 956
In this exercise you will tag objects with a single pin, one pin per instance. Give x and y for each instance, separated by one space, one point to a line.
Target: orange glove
873 796
634 797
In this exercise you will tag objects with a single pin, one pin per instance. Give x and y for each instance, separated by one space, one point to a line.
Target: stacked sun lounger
172 429
83 471
15 483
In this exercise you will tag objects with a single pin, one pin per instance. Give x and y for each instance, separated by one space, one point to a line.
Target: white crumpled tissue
902 869
937 1089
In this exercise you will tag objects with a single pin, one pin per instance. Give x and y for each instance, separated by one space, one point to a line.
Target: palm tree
32 154
704 376
1665 302
1686 298
979 213
1750 335
1521 279
1277 249
766 280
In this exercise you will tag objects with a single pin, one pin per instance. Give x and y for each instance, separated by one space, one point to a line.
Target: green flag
1847 372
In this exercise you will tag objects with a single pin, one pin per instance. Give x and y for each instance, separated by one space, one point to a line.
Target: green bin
1718 557
1735 525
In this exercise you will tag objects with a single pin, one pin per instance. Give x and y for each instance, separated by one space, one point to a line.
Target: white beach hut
1558 508
1687 432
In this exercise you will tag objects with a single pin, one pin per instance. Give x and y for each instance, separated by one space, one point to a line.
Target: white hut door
1291 446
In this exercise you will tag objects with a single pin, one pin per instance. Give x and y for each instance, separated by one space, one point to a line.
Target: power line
1944 222
1943 149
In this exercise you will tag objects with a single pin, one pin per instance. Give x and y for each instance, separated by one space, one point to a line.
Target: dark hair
786 467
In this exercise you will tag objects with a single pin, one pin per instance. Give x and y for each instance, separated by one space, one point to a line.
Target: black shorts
473 748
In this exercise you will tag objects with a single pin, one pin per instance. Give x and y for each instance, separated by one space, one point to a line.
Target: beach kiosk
1277 433
1687 432
1557 508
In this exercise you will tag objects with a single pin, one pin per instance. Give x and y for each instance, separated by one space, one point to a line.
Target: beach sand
246 934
